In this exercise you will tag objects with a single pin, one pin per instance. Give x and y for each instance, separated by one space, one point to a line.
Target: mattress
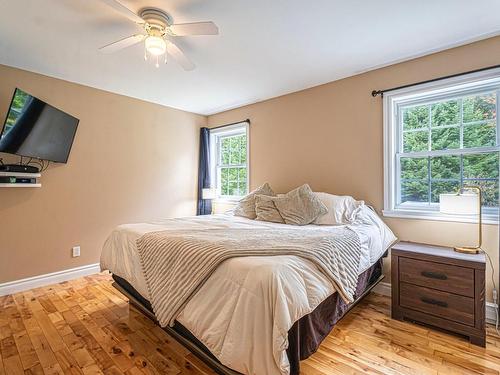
244 311
120 254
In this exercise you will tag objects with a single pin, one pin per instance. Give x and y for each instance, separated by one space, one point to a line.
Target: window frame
446 89
216 136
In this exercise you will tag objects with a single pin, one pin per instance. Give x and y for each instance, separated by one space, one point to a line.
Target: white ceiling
266 48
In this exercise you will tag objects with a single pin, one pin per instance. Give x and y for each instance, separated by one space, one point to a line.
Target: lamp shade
156 45
459 204
208 193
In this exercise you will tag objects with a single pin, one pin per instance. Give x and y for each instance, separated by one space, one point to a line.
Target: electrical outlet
76 251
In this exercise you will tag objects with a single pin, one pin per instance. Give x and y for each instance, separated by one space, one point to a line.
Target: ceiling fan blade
195 28
179 56
116 5
122 43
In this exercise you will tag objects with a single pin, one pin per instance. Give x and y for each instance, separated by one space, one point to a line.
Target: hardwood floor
86 327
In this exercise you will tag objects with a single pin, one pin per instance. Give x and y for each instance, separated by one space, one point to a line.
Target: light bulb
156 45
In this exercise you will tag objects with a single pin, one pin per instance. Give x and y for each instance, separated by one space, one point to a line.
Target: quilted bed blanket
177 263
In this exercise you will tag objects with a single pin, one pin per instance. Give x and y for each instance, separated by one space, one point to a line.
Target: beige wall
131 161
331 137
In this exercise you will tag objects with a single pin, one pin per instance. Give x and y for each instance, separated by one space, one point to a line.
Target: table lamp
464 204
209 194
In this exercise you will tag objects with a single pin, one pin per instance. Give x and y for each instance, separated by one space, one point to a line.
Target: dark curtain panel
204 205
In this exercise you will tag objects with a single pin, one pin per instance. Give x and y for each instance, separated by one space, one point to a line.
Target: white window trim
432 90
235 129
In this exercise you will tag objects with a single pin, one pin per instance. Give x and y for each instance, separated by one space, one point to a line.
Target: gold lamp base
462 210
467 250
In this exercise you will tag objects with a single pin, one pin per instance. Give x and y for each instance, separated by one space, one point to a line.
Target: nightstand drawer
445 277
442 304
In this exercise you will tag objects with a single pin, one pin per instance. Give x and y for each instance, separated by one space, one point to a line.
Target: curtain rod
381 92
233 123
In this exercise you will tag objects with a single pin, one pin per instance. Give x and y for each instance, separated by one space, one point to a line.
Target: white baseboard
47 279
385 289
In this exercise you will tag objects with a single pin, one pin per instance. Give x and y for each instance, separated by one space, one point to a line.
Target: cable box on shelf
18 168
17 179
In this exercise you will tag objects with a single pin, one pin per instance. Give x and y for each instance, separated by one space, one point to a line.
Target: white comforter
237 313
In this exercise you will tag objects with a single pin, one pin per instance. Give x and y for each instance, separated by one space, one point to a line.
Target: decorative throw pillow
266 209
246 206
342 209
300 206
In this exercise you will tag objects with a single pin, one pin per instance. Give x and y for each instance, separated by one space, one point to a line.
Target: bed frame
197 350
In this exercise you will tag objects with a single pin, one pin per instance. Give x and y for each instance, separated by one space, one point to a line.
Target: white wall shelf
20 175
15 185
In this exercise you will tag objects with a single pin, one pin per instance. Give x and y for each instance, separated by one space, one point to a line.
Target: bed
254 314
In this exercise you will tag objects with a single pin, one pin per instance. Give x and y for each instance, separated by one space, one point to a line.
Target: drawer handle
431 301
434 275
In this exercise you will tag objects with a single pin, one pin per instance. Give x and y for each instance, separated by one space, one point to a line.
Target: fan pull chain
145 54
157 64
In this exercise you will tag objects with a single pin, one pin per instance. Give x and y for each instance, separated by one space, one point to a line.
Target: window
230 161
440 137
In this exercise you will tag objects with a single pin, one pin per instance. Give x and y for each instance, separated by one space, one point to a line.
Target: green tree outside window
466 127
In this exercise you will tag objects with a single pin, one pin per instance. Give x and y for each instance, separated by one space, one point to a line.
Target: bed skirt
305 336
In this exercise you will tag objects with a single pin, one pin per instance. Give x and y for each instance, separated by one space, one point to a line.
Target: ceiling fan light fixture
157 26
156 45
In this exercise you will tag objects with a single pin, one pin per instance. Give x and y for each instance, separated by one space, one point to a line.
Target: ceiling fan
158 27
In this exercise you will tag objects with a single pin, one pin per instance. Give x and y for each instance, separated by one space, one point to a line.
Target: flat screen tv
36 129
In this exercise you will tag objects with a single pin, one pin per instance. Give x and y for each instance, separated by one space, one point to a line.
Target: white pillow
342 209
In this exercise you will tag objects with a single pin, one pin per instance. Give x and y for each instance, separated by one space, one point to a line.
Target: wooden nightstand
440 287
